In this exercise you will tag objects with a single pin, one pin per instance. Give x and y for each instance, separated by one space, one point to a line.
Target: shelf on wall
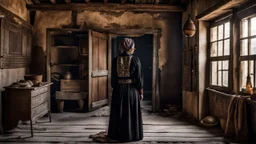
65 47
83 54
65 65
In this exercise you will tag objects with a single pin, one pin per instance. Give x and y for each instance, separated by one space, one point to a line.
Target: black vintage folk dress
125 123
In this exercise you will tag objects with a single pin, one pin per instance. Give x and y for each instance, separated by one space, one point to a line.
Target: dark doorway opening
144 50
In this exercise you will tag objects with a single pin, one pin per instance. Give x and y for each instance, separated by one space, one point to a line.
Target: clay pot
35 78
223 123
68 75
60 106
80 104
189 28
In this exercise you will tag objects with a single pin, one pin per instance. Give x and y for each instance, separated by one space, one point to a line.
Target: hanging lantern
189 28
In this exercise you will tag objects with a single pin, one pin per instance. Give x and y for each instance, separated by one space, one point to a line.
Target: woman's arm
139 78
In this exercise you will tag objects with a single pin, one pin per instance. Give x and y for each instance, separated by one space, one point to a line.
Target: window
247 51
219 54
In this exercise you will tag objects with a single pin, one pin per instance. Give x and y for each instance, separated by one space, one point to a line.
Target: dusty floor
76 127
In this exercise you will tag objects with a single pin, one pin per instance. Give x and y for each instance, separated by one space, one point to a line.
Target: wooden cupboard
26 103
85 54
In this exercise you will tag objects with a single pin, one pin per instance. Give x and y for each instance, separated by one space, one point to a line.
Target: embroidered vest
123 66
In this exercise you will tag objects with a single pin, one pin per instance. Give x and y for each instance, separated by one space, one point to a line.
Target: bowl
223 123
35 78
209 121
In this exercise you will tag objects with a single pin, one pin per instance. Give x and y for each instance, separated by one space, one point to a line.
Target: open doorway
144 50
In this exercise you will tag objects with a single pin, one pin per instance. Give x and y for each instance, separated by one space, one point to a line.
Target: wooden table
72 90
26 103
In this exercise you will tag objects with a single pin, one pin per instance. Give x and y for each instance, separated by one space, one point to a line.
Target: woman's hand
141 97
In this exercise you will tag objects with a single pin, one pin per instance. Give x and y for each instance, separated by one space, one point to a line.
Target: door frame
113 33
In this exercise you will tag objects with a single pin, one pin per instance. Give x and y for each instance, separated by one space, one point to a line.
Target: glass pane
253 26
214 34
253 46
225 78
244 30
220 32
220 78
220 48
251 66
225 65
214 49
219 65
243 74
214 73
244 47
226 47
227 30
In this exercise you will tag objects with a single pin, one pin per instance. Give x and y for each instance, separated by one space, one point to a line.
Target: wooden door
98 70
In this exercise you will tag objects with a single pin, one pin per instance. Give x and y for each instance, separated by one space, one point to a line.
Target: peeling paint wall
18 7
170 51
196 107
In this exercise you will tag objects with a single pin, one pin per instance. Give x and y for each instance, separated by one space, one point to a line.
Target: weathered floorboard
77 127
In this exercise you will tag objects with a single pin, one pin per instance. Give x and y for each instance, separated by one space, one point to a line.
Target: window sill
220 92
221 89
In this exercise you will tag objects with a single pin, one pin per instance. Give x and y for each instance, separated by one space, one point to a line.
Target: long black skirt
125 123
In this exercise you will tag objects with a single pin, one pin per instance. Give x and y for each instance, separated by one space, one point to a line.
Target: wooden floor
70 127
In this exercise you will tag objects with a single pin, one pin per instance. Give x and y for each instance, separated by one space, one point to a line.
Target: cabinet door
98 70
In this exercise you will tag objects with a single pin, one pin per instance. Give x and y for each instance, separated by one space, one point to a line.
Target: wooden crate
74 85
70 95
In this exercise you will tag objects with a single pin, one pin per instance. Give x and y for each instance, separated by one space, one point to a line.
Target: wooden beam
74 19
108 7
36 1
28 1
87 1
67 1
174 2
157 1
219 9
123 1
53 1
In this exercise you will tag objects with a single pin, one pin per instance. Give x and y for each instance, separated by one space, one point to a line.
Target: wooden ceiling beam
53 1
123 1
29 2
87 1
174 2
108 7
36 1
67 1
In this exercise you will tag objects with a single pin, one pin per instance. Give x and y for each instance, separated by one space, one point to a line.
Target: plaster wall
170 51
18 7
196 107
8 76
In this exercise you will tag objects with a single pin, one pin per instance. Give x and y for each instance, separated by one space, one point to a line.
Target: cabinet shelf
65 47
67 65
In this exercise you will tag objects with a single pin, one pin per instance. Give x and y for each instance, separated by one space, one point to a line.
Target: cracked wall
170 51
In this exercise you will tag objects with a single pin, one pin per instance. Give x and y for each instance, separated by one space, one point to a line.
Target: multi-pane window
247 51
219 54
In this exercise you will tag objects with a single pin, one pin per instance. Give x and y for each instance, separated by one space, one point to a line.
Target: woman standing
125 122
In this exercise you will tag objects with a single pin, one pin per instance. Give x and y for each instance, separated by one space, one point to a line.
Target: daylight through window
219 54
247 51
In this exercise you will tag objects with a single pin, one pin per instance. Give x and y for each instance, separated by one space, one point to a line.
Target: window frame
221 21
248 57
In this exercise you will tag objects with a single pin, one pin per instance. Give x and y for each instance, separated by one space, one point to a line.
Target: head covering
126 44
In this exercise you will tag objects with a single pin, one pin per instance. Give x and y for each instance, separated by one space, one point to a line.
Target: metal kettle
68 75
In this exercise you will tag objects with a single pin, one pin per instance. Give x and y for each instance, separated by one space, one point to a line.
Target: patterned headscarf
126 44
